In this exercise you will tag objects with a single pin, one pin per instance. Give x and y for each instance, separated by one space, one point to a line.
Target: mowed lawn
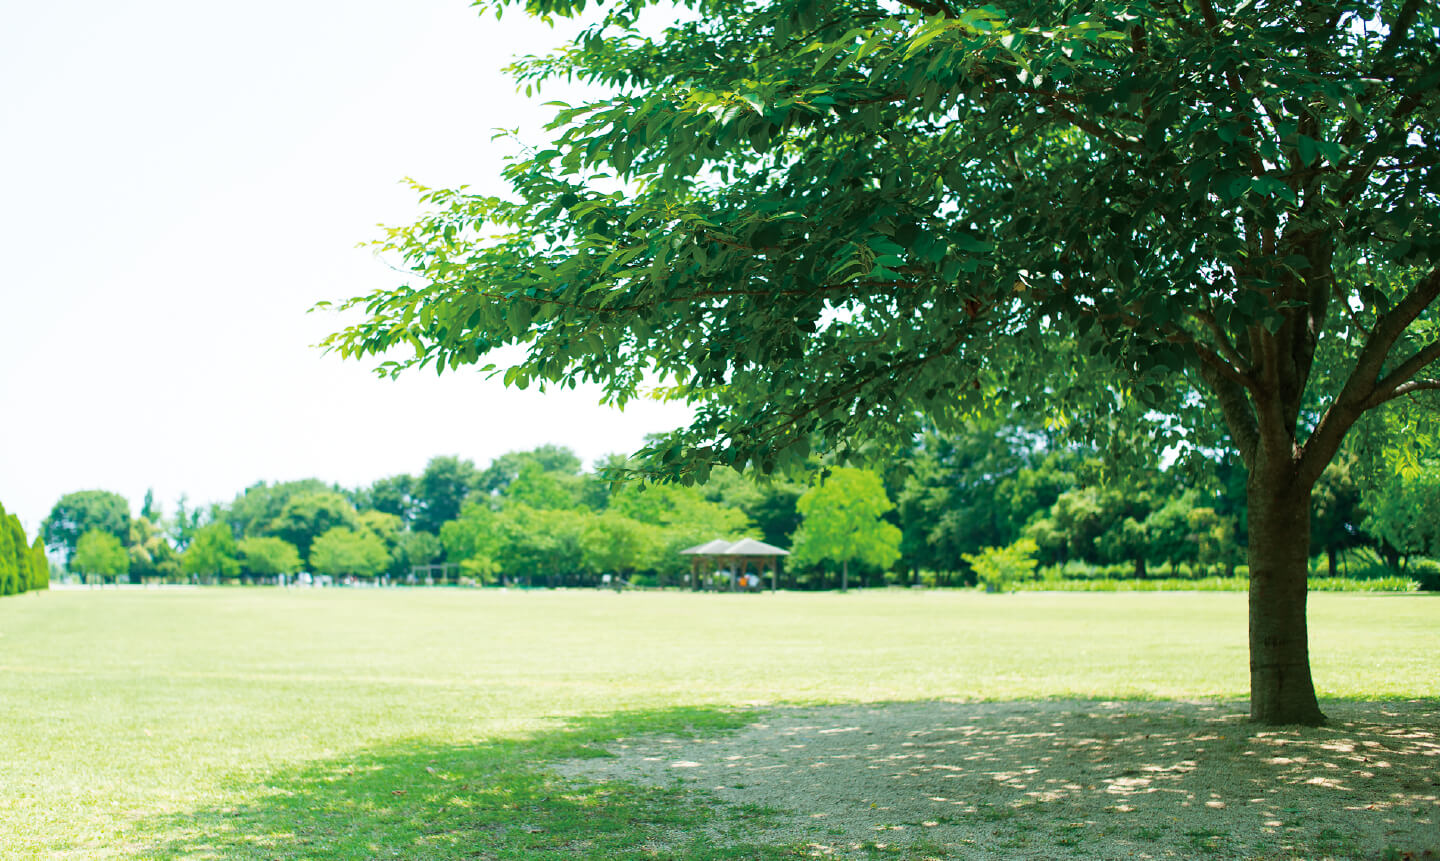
267 723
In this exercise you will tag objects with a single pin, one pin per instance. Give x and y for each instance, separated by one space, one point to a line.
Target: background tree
307 516
255 511
842 523
391 495
77 513
418 548
610 542
267 557
1404 512
440 491
148 509
997 568
151 555
474 541
101 554
212 553
1336 513
832 218
675 517
506 468
538 488
542 542
39 565
342 551
185 523
13 575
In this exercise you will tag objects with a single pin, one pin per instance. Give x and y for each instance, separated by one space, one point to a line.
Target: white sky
180 182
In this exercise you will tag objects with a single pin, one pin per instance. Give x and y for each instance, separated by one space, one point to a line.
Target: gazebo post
732 556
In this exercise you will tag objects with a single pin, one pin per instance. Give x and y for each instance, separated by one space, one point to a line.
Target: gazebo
737 556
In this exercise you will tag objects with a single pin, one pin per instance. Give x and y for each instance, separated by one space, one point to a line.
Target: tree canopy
100 553
842 523
77 513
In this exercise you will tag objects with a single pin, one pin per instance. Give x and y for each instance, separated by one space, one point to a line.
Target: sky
180 182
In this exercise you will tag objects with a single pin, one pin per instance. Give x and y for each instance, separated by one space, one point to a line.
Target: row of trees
23 565
539 517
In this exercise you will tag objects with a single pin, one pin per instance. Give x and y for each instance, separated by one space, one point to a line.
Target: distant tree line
23 565
540 518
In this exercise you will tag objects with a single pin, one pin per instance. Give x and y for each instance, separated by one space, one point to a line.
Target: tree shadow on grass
1050 779
1068 779
494 799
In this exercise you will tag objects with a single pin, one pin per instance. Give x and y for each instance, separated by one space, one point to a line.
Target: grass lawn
263 723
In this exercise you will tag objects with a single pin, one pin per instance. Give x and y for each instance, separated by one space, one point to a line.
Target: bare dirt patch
1071 779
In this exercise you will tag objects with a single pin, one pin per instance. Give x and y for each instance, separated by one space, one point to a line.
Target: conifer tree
9 571
39 565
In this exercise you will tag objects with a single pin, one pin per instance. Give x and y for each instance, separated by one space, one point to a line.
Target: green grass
260 723
1209 584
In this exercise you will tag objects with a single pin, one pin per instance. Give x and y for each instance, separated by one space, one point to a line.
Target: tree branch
1362 169
1409 388
1403 374
1237 410
1356 395
1222 342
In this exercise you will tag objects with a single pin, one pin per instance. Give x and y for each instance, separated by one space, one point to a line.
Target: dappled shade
1068 779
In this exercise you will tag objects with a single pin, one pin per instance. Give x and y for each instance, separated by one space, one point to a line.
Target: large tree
212 552
100 553
833 217
77 513
843 523
342 551
306 517
440 491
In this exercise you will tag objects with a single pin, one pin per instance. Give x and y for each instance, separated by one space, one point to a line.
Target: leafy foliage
307 516
266 556
77 513
1405 512
100 553
212 553
347 552
23 567
1000 568
843 522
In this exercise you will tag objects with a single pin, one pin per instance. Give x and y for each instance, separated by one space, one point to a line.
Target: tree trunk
844 575
1139 567
1281 690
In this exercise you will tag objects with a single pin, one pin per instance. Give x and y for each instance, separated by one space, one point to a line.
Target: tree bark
845 575
1281 689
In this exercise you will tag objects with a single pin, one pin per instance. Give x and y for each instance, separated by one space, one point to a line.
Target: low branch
1403 374
1409 388
1361 388
1238 412
1222 342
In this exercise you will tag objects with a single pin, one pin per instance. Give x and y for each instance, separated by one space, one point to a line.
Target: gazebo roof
718 547
751 547
743 547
